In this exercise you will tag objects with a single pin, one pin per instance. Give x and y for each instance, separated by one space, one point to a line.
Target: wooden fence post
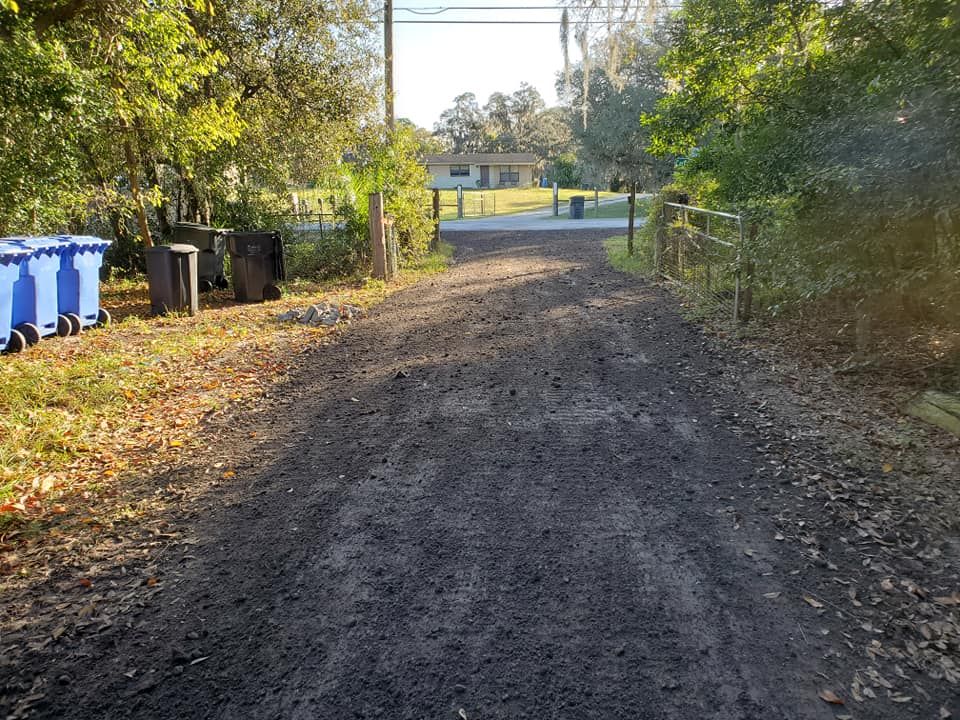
390 241
630 217
377 240
436 220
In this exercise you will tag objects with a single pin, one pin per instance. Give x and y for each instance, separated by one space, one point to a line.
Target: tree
613 145
461 126
835 125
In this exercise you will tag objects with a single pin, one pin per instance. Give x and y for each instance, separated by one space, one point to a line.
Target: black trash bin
172 276
576 206
212 246
256 259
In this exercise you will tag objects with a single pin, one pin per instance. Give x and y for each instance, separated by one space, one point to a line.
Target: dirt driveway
513 492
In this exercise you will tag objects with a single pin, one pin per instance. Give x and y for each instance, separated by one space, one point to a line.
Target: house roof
482 159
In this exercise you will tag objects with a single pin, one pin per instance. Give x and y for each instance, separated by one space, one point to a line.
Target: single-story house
484 170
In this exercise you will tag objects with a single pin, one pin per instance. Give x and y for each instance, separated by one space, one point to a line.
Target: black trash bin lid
179 249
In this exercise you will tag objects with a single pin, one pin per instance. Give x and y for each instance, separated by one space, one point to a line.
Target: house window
459 171
509 175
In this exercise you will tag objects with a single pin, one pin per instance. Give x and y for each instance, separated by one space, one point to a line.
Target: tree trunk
133 171
163 220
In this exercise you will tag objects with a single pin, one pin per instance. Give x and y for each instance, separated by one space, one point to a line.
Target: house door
484 176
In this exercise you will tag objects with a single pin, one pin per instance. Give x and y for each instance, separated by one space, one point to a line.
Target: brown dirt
524 489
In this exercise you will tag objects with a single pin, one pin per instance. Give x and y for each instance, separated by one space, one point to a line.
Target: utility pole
388 61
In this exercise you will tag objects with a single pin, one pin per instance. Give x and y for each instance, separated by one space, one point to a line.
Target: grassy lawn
618 256
507 201
79 415
611 210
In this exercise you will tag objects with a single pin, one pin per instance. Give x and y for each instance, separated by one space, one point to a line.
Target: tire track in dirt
501 494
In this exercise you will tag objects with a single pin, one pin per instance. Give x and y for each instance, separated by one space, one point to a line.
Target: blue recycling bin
35 312
78 281
11 258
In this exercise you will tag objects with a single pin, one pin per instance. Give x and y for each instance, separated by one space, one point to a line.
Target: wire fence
699 250
320 244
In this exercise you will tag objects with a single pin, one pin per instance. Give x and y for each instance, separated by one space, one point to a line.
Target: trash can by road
576 206
212 246
78 281
35 306
11 257
172 277
256 259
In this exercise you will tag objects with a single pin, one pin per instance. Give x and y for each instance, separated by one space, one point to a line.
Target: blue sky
435 63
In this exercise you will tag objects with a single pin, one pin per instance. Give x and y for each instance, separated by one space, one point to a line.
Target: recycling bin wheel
64 326
222 283
272 292
30 333
76 324
16 342
205 286
103 318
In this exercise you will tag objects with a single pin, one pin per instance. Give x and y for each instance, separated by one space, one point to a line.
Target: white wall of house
440 176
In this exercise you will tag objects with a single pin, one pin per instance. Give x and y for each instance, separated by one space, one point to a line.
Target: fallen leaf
779 537
887 467
772 595
176 443
229 474
58 509
830 697
887 585
900 698
812 602
945 714
86 582
151 581
948 600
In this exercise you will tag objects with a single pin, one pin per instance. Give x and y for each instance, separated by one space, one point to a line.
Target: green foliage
115 110
566 171
605 113
834 126
393 168
518 122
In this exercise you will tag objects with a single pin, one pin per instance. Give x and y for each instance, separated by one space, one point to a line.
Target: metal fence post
736 287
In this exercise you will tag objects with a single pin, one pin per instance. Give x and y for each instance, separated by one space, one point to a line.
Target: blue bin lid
10 252
85 242
38 245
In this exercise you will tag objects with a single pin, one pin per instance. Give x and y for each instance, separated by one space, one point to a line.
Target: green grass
618 256
619 209
507 201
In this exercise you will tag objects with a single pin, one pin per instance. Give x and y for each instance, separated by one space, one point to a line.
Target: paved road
501 496
539 220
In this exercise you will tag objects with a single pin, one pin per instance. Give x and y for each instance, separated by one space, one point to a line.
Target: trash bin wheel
76 325
30 333
204 286
222 283
16 342
103 318
271 292
64 326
